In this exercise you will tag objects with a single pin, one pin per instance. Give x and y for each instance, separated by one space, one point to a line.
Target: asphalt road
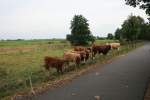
125 78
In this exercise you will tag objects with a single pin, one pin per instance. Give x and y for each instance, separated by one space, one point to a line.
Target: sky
44 19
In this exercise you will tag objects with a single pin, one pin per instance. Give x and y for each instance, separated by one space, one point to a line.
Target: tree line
133 28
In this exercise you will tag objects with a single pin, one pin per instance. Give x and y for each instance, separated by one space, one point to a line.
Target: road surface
125 78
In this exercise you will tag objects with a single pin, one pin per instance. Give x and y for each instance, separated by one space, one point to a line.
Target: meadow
22 60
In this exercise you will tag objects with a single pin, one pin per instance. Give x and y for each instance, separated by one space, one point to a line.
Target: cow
54 62
79 48
82 54
72 57
104 49
85 51
87 54
115 45
89 48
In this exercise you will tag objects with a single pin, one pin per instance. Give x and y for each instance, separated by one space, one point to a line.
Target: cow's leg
57 70
61 69
77 63
93 55
84 59
64 68
49 71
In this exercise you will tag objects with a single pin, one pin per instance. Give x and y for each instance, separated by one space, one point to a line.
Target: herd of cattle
77 55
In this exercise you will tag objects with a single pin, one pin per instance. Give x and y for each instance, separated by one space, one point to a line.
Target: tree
80 32
118 34
131 27
145 32
143 4
110 36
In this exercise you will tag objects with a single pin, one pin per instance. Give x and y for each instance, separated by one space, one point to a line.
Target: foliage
80 32
110 36
145 32
118 34
143 4
132 29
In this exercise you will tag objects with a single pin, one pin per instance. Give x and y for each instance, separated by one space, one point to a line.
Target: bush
80 39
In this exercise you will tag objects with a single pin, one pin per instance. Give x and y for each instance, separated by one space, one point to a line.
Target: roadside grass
17 68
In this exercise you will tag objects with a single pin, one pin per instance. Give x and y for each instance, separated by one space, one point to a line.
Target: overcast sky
27 19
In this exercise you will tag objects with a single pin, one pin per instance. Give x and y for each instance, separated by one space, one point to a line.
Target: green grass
105 41
15 43
22 59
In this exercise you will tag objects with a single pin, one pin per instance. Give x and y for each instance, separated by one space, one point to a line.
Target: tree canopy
145 32
80 32
118 33
143 4
133 28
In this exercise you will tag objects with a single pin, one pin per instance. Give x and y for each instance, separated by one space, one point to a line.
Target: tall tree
131 27
79 25
80 32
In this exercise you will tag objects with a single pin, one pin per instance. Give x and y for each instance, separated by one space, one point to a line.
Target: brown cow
72 57
85 51
79 48
54 62
82 54
87 54
89 48
104 49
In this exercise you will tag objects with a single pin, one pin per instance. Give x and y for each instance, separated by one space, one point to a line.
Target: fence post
30 80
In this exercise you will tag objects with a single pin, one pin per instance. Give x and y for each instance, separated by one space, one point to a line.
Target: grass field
21 60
